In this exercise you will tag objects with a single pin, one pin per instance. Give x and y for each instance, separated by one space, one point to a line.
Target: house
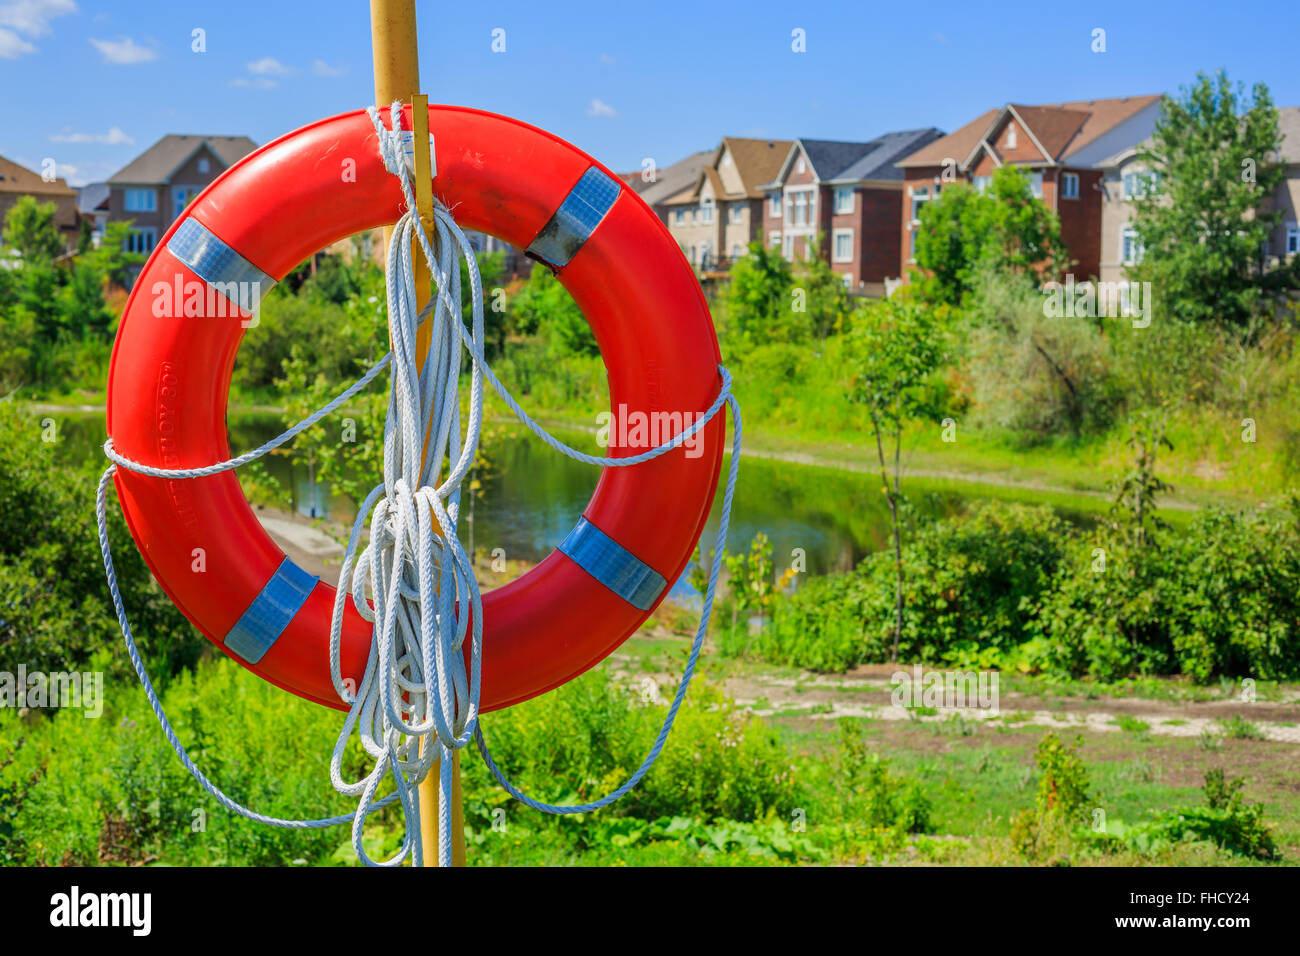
92 206
153 188
1124 176
843 201
717 216
656 186
1059 146
18 181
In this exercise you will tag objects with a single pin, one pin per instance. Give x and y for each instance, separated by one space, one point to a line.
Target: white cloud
600 108
114 137
321 68
254 83
124 51
33 17
268 66
12 46
28 17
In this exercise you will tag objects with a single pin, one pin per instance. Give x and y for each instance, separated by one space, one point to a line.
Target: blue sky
91 83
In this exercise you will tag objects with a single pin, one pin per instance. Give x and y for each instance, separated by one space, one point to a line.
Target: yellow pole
397 77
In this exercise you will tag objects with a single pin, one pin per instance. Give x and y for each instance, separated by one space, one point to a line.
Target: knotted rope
417 701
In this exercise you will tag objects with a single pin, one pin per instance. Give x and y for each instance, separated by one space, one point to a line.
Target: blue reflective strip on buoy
576 219
219 265
271 611
613 565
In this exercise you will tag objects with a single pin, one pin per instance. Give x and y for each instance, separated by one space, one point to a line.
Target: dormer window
204 166
801 166
1011 136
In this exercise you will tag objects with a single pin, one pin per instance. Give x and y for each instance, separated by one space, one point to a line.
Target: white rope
417 701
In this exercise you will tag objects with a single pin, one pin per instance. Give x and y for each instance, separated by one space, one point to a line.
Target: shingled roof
845 161
1061 128
756 161
160 161
20 179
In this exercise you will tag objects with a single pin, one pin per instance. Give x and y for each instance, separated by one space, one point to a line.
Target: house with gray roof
1124 177
842 201
152 189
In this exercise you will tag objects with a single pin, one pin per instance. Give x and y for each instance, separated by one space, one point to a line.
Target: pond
535 495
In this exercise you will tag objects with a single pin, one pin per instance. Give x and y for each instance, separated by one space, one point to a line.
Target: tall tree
759 302
897 348
1201 218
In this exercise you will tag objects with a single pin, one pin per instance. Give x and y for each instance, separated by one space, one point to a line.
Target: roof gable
20 179
158 163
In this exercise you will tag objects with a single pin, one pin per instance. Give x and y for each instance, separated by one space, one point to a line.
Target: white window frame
1036 184
735 213
982 184
774 239
706 210
912 231
787 246
140 200
836 236
921 195
1012 140
182 196
808 206
774 205
205 166
1130 246
1069 191
679 217
1291 243
141 240
844 200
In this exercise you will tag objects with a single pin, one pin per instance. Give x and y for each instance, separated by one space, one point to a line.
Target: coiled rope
417 701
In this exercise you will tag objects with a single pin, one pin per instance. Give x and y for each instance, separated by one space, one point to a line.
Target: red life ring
169 383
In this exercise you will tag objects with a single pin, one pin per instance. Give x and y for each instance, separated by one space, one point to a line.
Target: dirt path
867 692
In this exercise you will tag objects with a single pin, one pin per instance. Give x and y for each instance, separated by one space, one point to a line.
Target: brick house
850 194
154 187
1059 146
18 181
721 211
668 182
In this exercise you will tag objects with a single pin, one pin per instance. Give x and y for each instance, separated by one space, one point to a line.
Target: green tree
30 229
1213 166
759 301
965 232
897 348
826 300
543 305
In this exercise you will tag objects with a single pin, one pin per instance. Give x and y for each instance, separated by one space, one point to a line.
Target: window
1070 186
801 207
774 239
911 247
737 251
789 247
1292 238
181 196
843 247
140 240
205 167
1036 184
843 199
141 200
706 209
920 196
848 280
801 166
1130 246
1138 184
735 214
774 205
1011 136
982 184
679 217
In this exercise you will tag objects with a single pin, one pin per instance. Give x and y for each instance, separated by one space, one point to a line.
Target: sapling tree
896 348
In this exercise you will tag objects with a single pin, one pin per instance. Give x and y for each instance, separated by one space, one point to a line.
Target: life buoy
169 383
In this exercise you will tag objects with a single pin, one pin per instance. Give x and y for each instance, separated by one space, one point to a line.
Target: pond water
536 495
